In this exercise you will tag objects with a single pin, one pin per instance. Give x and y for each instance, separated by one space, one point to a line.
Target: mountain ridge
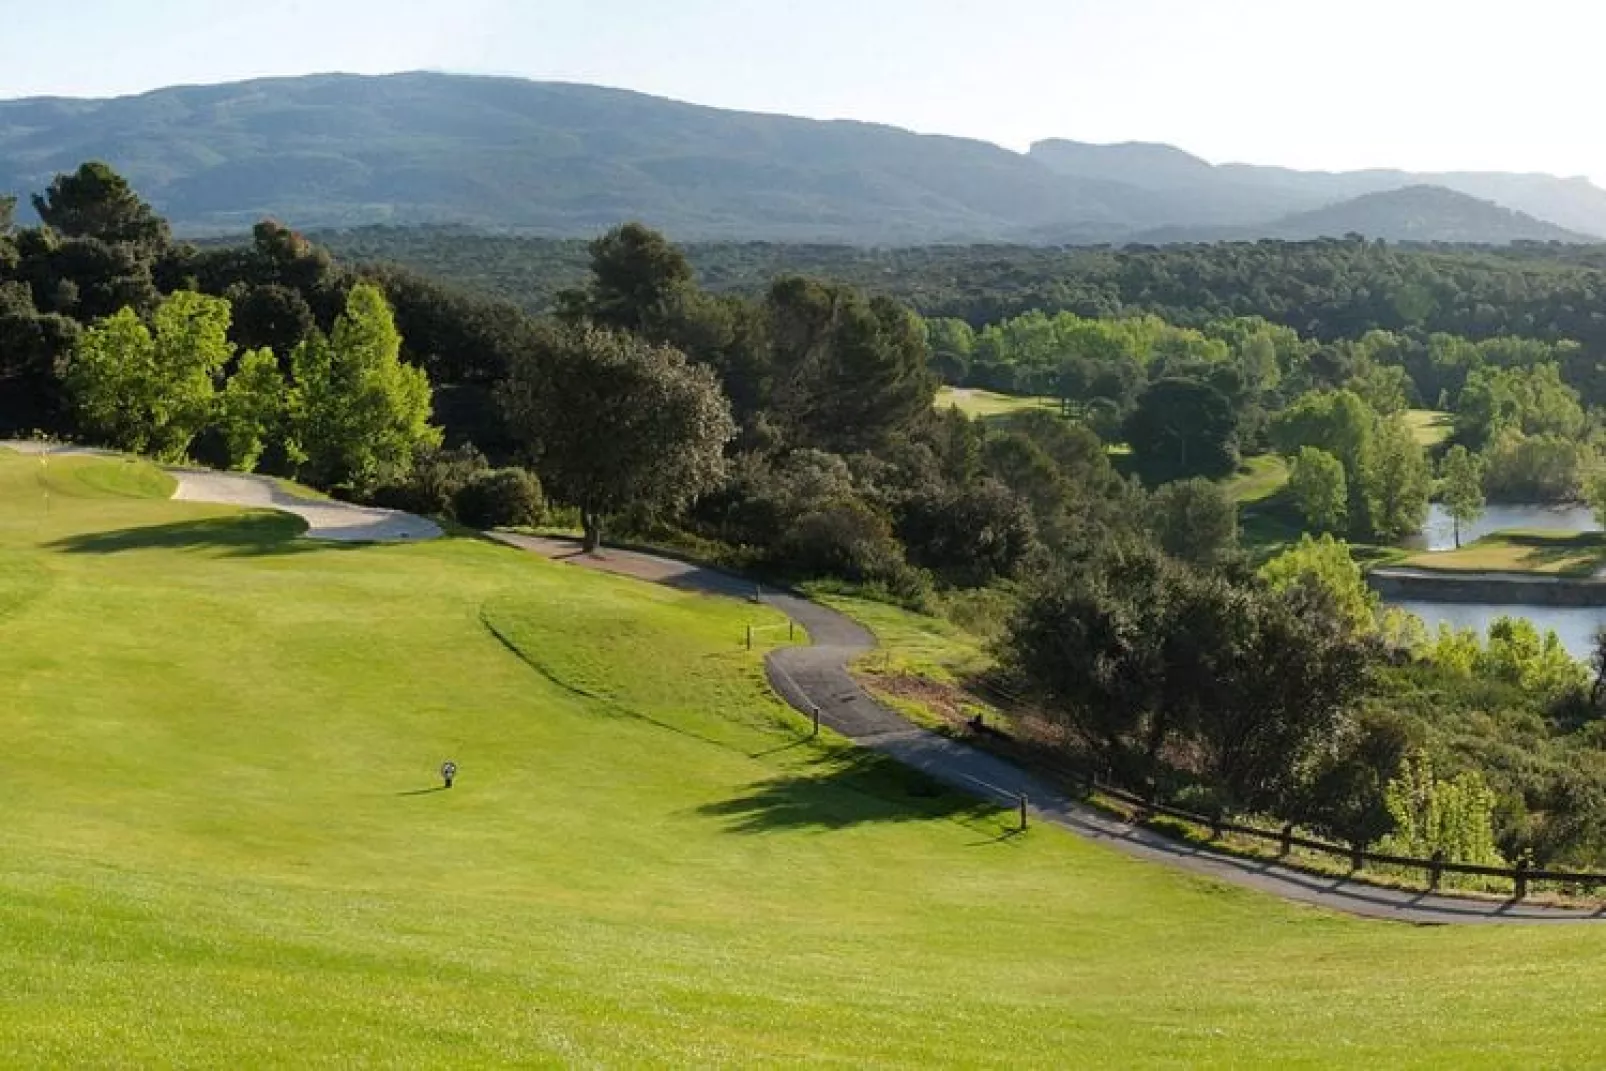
568 159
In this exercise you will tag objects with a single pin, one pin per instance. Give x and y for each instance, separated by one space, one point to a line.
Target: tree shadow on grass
842 792
248 536
1578 554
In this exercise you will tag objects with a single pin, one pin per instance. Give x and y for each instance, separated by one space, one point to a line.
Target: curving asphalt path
817 676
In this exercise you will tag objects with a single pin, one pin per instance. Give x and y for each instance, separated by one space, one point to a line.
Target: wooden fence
1520 876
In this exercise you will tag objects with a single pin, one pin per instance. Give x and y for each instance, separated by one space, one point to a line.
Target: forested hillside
1326 289
567 160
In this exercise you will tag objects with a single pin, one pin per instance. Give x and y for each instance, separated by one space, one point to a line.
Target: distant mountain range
570 160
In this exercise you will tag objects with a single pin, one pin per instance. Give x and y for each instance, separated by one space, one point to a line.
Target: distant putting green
1574 554
1430 426
224 846
985 404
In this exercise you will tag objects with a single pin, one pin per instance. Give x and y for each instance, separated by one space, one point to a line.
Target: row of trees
344 412
1353 469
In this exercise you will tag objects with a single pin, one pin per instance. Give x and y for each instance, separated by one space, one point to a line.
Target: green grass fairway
1257 479
985 404
1431 426
1575 554
222 845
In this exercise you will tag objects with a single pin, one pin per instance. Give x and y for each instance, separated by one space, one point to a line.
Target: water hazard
1574 625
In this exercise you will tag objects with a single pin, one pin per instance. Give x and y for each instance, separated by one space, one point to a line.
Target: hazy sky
1423 84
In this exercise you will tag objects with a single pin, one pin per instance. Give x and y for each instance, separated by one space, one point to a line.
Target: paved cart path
818 675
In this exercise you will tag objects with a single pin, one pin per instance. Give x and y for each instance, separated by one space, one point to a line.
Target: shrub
845 539
500 498
432 486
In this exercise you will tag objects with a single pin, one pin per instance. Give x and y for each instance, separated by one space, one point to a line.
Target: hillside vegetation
222 845
569 160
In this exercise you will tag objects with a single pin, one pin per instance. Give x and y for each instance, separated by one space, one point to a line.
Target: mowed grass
222 845
986 404
1257 479
1431 426
1571 554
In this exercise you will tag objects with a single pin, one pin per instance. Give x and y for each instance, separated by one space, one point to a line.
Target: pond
1439 532
1574 625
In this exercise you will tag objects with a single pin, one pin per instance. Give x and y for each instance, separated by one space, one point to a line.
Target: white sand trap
326 519
338 521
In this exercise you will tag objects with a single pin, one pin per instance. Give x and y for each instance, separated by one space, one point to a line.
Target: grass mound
1567 554
225 844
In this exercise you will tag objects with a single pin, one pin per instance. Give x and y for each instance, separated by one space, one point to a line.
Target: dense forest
1326 290
786 425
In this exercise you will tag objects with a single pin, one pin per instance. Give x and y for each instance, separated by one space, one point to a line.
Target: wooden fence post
1215 827
1520 879
791 629
1288 838
1357 852
1435 870
749 637
814 708
1023 810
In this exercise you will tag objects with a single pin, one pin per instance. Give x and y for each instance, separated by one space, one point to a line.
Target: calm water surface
1574 625
1439 532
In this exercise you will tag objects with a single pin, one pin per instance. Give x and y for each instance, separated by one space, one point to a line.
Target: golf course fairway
224 844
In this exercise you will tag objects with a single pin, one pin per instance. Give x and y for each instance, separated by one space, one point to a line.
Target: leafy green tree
1398 481
1535 468
616 422
1327 564
153 391
110 376
1595 492
33 346
359 412
952 343
1519 654
1339 423
1089 647
1138 654
1532 400
251 408
97 202
639 280
1461 476
1384 387
1183 427
1432 816
1195 521
849 372
1320 489
1259 683
970 535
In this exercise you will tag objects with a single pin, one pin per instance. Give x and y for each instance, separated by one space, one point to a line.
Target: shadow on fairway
257 534
423 791
861 790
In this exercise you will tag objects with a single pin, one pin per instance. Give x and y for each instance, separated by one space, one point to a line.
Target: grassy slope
1431 426
1575 554
1257 479
219 846
986 403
